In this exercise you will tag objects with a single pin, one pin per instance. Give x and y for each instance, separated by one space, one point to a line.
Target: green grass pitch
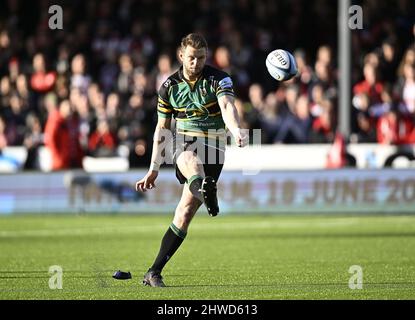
227 257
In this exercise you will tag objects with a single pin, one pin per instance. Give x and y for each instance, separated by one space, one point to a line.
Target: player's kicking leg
174 236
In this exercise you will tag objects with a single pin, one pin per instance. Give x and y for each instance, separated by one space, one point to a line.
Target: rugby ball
281 65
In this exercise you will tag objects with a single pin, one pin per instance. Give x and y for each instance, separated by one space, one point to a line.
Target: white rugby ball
281 65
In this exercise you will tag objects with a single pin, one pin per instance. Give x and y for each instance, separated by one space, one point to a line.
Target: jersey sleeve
164 108
224 85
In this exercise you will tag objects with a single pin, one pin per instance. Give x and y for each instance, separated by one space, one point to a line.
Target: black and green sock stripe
171 241
180 233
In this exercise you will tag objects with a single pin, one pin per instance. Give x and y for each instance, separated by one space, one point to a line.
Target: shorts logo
197 112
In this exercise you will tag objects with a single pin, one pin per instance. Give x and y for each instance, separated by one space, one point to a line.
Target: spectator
125 77
108 73
322 75
33 140
324 55
135 110
86 120
5 91
62 87
370 85
5 161
317 96
270 119
406 88
22 88
62 64
164 70
222 59
60 140
408 59
304 70
366 130
290 98
6 51
141 82
323 128
13 69
386 104
395 127
372 58
73 123
388 61
15 116
295 125
79 79
102 142
254 107
41 80
3 136
256 97
113 111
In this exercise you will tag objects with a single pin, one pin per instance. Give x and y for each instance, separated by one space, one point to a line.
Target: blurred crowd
90 89
384 74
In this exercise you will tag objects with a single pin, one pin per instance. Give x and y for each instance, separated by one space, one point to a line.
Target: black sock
172 240
195 183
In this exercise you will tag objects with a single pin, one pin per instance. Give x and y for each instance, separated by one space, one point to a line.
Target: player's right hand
147 182
241 138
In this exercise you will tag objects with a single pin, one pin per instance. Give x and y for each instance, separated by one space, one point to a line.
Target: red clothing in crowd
43 81
322 129
63 144
393 129
101 140
336 157
374 92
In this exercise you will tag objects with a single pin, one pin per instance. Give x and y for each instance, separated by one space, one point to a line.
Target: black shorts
210 151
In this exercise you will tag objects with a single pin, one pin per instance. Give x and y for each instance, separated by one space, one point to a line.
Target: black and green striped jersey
194 105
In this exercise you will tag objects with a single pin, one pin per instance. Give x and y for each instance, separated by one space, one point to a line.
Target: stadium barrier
314 156
389 191
265 157
12 159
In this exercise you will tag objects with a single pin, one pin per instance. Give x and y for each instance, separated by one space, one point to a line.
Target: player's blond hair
194 40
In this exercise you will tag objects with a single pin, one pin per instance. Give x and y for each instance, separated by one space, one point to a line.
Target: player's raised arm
231 119
161 135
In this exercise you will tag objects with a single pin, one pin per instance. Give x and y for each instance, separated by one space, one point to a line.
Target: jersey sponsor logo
226 83
196 111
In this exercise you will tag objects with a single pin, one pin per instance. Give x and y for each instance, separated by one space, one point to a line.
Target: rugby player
201 100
